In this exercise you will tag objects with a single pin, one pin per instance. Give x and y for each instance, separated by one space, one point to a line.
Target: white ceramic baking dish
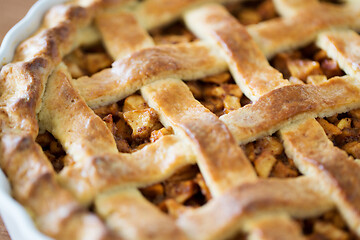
18 222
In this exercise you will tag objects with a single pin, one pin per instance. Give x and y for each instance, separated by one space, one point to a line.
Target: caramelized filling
248 12
133 123
309 65
87 61
252 12
344 131
329 226
173 34
185 189
218 93
53 151
334 1
269 159
239 236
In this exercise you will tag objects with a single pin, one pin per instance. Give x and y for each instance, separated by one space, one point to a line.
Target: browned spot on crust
222 162
64 12
157 13
21 110
117 37
331 166
251 70
282 104
107 171
299 30
296 197
186 61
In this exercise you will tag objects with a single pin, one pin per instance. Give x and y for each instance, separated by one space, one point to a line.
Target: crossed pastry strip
302 139
160 104
93 155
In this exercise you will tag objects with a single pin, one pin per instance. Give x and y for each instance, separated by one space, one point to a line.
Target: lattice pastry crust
37 90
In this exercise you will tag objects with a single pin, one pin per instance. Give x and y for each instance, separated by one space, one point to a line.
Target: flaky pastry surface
95 194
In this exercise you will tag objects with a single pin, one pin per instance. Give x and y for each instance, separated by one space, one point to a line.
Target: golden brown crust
23 172
35 59
126 169
275 227
343 47
288 8
35 186
185 61
250 69
85 137
335 172
222 162
282 34
28 169
132 217
85 226
118 39
78 15
99 167
229 213
64 113
308 150
58 36
156 13
153 163
22 86
106 4
285 105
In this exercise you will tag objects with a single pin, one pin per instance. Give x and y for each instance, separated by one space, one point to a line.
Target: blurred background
11 11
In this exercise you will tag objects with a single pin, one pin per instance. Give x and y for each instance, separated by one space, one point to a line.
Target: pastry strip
278 227
283 106
339 185
118 39
234 167
90 143
67 32
129 169
229 213
152 164
286 33
156 13
222 163
48 47
290 33
65 114
248 65
336 173
55 210
133 217
203 135
98 166
33 179
344 47
287 8
186 61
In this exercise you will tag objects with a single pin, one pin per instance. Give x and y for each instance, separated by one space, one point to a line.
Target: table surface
10 13
3 233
